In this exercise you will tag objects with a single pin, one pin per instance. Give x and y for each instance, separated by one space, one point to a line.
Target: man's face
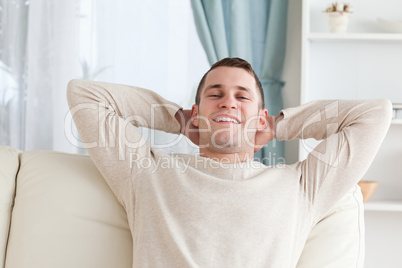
228 115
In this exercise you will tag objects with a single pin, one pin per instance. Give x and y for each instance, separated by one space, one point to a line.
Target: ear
194 115
262 119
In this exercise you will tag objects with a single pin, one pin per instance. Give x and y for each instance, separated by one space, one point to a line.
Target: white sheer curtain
52 61
152 44
13 71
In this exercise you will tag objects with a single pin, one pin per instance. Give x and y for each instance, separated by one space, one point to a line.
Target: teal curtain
255 31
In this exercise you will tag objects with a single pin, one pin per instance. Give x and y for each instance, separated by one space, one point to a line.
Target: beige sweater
190 211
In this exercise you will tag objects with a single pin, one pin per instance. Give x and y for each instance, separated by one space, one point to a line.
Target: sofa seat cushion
65 215
9 167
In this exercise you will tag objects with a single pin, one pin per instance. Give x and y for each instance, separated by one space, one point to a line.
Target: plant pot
337 21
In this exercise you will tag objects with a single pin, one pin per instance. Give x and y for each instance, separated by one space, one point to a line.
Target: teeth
226 119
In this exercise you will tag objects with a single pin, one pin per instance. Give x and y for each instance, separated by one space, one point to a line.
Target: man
221 208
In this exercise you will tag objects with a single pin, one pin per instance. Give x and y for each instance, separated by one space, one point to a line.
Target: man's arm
352 132
107 116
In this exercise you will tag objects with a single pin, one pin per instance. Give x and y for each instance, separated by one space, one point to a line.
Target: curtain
52 62
13 71
151 44
255 31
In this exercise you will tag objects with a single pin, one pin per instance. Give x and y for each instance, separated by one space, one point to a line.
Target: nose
228 102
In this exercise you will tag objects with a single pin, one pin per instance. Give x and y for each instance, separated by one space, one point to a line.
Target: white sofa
57 211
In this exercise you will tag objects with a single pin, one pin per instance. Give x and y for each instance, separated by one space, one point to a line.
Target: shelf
354 37
396 121
383 206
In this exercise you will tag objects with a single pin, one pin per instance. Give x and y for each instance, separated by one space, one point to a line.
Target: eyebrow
220 86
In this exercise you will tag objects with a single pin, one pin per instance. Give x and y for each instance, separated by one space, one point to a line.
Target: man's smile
224 118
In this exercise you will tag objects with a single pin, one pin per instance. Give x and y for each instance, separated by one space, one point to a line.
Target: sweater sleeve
352 132
107 116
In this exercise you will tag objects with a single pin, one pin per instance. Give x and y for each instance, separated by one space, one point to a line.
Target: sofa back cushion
9 164
65 215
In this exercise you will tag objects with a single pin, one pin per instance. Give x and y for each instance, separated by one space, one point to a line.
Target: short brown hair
232 62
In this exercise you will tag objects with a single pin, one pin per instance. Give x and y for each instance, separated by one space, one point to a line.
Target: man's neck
227 158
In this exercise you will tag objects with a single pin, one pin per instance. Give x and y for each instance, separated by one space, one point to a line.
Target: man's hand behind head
268 133
187 127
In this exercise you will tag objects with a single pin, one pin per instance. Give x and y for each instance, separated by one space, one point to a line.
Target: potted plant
338 14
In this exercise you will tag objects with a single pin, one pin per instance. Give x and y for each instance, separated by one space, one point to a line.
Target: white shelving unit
395 206
365 62
317 37
396 122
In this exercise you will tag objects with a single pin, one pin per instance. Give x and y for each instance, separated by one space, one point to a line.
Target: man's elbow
386 110
72 90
